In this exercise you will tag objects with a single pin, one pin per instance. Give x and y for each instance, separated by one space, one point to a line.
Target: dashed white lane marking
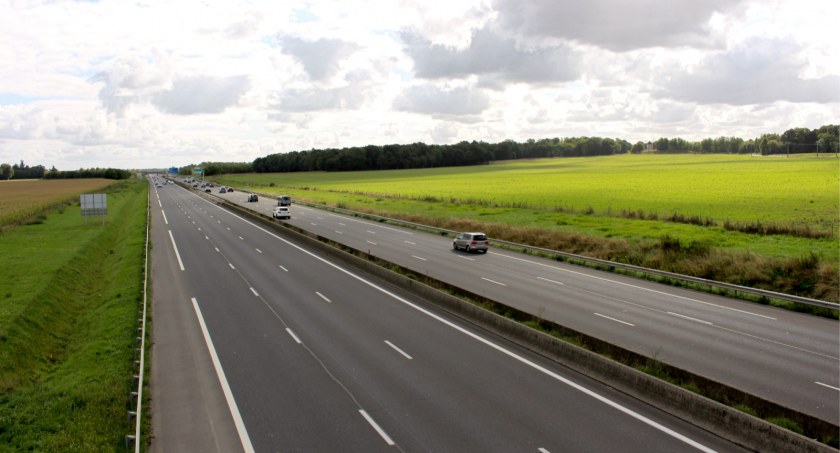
613 319
493 281
398 350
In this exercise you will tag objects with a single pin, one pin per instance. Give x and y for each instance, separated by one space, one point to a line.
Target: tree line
793 141
24 171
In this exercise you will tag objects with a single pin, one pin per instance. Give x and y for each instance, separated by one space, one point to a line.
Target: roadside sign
197 170
173 170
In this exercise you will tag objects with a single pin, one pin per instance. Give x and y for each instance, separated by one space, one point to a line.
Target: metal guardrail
599 262
140 345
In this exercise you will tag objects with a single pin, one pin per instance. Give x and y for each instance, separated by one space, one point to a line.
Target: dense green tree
6 171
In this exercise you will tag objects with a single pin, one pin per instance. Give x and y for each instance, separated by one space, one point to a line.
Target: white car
281 212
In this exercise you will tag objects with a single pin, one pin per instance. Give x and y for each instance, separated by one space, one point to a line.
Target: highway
783 356
262 345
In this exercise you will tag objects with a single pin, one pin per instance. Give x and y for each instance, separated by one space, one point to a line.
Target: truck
284 200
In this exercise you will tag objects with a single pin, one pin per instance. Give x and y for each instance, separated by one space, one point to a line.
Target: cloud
618 26
315 99
494 58
201 94
320 58
428 99
757 71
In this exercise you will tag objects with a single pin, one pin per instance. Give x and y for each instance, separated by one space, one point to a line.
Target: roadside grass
582 206
27 199
67 326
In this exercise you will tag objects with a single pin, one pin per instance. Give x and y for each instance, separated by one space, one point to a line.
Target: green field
68 313
625 200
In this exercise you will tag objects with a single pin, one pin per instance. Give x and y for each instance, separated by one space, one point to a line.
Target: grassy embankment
691 214
68 312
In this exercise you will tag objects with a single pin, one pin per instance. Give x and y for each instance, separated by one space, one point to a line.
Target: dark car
253 197
207 190
471 242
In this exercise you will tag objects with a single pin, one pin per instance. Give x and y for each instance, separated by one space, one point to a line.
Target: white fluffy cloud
163 83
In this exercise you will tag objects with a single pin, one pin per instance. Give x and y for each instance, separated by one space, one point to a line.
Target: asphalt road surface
262 345
783 356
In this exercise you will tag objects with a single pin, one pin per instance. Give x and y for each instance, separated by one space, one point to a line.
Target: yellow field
20 199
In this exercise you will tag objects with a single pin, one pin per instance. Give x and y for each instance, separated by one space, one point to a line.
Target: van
284 200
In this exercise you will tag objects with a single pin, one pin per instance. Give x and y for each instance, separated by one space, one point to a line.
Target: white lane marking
164 217
398 350
220 373
323 296
592 394
217 249
552 281
284 269
199 228
419 258
826 385
690 318
231 265
635 286
613 319
175 247
465 257
410 243
207 237
159 203
543 450
258 250
254 291
371 232
313 224
228 228
240 237
339 232
295 337
371 243
342 224
379 430
493 281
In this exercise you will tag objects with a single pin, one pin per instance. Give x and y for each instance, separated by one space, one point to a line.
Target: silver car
471 242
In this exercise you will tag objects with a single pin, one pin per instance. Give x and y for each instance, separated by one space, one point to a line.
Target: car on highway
253 198
281 212
207 190
230 189
222 189
471 242
284 200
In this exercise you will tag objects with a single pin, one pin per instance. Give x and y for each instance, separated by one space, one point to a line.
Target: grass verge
67 331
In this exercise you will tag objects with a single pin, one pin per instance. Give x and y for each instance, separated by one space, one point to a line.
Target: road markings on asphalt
521 359
244 439
240 237
493 281
398 350
826 385
254 291
465 258
258 250
231 266
175 247
206 237
690 318
419 258
323 296
164 216
379 430
613 319
410 243
338 232
635 286
284 269
552 281
543 450
295 337
371 243
371 232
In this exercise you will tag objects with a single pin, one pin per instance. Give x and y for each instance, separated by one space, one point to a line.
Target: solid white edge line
234 409
613 319
523 360
379 430
826 385
398 350
175 247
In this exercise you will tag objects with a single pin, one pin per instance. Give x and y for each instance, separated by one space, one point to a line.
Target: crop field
21 199
625 202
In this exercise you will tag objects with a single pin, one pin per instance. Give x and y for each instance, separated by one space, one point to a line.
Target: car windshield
479 237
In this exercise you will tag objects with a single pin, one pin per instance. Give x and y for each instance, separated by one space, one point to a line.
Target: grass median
68 321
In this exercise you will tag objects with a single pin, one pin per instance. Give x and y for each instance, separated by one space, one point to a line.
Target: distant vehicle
207 190
284 200
471 242
195 186
230 189
253 198
281 212
222 190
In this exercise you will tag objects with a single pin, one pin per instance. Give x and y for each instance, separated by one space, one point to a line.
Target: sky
160 83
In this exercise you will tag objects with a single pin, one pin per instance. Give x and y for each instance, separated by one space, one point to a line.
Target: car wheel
468 249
